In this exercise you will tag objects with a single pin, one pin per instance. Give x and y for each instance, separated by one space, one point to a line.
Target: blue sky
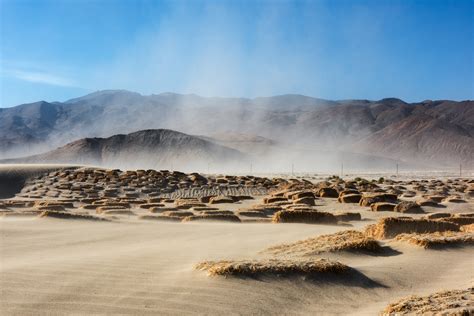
414 50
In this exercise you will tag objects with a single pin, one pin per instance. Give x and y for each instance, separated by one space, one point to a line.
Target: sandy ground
54 266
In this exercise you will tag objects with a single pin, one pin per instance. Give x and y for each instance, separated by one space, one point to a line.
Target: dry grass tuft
67 215
58 208
162 209
53 203
256 220
348 216
304 216
150 205
252 213
212 217
391 227
217 212
160 218
103 209
118 212
177 213
459 219
270 267
348 240
455 302
438 239
468 228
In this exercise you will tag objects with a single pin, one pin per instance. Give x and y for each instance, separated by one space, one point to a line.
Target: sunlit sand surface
96 241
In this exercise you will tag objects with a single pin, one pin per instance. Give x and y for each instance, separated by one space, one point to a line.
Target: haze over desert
267 157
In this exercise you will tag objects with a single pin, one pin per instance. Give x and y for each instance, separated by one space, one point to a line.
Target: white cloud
41 77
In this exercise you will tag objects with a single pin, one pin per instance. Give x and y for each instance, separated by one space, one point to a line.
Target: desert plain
88 240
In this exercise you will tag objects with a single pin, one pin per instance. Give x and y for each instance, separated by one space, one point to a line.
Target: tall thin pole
397 170
251 168
460 170
292 169
342 169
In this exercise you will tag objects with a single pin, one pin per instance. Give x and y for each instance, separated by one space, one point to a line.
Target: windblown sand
142 262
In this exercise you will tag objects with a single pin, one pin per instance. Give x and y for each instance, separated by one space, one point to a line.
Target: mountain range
434 133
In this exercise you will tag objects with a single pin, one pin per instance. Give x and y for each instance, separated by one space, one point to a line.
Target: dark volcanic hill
143 149
437 133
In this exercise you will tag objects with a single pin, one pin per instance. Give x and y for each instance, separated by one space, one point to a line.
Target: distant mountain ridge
143 149
432 132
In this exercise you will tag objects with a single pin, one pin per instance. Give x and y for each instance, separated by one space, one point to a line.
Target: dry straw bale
205 208
327 193
18 203
267 209
150 205
22 213
160 218
53 203
438 239
304 216
348 191
118 212
221 200
390 227
177 213
162 209
212 217
304 200
371 198
111 203
347 216
408 207
454 302
436 198
252 213
382 207
102 209
68 215
270 267
256 220
300 194
89 207
426 202
453 199
206 199
349 198
437 215
348 240
269 200
217 212
468 228
51 208
459 219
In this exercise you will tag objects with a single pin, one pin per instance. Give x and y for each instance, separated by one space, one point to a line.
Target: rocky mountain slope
143 149
436 133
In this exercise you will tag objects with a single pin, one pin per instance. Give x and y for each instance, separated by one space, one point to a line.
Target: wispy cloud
41 77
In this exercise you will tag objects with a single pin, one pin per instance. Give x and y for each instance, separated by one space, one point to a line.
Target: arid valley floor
83 240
